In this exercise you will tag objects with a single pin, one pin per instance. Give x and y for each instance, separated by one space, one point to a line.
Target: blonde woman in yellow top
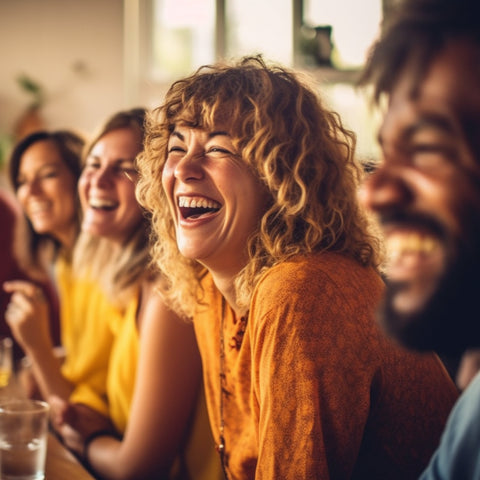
154 381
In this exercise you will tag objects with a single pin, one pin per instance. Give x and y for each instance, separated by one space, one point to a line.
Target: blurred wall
73 49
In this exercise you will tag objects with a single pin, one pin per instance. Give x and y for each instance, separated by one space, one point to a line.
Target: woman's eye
49 174
129 172
91 167
175 149
218 149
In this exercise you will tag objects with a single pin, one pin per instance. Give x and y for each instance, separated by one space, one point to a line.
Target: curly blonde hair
298 149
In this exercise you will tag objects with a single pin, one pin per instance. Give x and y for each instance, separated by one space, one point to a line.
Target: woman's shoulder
320 267
313 279
152 304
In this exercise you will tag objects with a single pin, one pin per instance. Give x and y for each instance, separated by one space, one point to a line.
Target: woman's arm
28 317
166 389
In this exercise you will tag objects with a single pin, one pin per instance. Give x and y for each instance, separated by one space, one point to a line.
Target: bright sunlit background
356 24
185 35
184 31
91 58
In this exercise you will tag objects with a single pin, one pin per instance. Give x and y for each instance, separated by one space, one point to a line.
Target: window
259 26
175 37
353 26
183 37
186 33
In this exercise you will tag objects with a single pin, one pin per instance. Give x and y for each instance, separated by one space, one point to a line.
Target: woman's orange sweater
313 389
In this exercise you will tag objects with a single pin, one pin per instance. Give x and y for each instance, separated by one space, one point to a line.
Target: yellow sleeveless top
85 315
198 460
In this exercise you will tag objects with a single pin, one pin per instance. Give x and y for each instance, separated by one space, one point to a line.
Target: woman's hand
76 422
28 314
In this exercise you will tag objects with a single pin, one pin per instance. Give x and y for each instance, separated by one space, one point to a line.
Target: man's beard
449 323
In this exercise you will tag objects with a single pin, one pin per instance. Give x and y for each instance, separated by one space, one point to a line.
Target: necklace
235 343
221 443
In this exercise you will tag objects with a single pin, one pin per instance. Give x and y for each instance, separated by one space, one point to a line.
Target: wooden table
61 464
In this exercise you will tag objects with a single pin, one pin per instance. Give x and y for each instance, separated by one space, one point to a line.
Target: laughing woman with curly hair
252 187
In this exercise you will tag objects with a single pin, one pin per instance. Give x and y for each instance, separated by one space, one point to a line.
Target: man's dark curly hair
415 32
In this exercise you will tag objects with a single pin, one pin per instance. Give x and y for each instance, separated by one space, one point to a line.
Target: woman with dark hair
56 155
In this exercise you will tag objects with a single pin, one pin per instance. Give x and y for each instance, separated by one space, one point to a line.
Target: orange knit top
313 389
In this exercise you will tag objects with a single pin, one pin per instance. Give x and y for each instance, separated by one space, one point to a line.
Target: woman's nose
102 176
33 186
189 167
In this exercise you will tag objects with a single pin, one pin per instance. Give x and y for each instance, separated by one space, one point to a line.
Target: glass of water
23 439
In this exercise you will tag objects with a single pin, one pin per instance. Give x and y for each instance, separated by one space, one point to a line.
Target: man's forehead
450 88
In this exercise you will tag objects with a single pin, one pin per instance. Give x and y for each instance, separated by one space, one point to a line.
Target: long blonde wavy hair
298 149
118 271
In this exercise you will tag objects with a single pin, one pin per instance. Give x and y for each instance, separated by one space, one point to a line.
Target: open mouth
102 204
414 256
411 243
196 207
38 207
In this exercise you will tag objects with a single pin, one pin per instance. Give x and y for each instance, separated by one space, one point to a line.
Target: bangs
210 99
209 114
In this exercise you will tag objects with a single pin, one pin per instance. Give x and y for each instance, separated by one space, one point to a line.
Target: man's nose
384 189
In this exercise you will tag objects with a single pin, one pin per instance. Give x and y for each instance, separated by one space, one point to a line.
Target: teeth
410 243
37 207
101 203
197 202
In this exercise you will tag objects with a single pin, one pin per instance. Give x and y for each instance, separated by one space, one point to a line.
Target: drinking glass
23 439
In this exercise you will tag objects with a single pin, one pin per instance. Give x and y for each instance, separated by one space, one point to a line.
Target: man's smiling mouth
196 207
414 257
411 243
